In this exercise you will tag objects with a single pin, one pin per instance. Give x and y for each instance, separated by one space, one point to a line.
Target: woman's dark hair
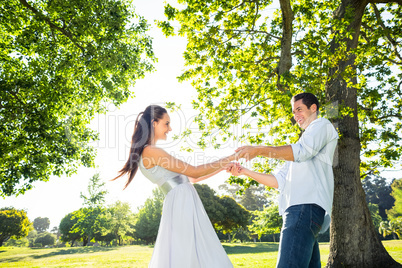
143 131
308 99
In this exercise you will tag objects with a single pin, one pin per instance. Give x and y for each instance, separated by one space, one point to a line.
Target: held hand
234 168
246 152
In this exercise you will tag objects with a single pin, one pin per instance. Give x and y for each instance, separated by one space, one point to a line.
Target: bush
46 239
32 235
23 242
60 244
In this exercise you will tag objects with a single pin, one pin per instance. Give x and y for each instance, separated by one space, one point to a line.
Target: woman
186 237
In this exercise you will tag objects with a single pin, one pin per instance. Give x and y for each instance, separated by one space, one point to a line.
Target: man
305 183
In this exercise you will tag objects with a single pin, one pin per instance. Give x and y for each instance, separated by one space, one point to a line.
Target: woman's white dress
186 238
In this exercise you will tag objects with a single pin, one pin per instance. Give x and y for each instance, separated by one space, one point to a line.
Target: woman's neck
153 142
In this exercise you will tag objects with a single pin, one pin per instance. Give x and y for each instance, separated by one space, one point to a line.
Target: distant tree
96 192
66 229
46 239
148 217
60 62
13 223
105 238
41 224
32 235
252 198
267 221
92 220
393 227
55 230
22 242
91 223
235 216
241 234
232 190
396 210
375 216
211 202
378 191
224 212
121 219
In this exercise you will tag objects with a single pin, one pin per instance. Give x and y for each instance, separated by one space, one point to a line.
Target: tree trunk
354 242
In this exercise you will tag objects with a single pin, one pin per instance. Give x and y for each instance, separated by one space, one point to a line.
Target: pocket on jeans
317 219
315 228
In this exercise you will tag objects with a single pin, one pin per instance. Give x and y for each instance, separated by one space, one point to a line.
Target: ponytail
142 136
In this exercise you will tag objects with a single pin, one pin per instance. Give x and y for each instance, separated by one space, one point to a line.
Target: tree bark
85 241
285 62
354 242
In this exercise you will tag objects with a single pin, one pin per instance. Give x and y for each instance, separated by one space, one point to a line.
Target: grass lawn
251 255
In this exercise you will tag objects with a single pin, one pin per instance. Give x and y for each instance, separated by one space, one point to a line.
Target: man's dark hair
308 99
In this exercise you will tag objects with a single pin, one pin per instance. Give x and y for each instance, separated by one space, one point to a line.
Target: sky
61 195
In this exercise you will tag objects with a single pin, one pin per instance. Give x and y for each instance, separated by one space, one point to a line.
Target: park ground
251 255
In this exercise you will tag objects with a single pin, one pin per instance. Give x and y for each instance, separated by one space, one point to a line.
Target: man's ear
313 107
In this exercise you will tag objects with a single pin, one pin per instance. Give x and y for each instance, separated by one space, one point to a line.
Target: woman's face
162 127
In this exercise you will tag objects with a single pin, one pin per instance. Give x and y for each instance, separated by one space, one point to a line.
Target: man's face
303 115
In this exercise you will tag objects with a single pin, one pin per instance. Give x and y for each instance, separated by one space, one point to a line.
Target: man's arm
266 179
278 152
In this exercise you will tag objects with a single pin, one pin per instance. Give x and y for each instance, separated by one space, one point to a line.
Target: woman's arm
266 179
154 156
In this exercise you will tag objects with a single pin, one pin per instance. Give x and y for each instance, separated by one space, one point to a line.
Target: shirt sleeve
313 140
281 176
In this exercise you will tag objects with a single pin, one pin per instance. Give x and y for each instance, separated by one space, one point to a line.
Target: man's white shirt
309 179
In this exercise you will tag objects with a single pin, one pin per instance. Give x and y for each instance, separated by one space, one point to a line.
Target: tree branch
365 108
394 61
386 31
267 59
253 32
239 5
389 116
364 35
249 108
286 42
285 63
66 33
399 2
256 14
369 172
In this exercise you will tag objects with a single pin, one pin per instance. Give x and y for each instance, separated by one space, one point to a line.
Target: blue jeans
298 245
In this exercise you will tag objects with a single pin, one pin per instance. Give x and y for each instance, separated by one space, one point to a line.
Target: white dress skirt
186 238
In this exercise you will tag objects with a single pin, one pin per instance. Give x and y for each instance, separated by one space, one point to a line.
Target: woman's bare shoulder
151 151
